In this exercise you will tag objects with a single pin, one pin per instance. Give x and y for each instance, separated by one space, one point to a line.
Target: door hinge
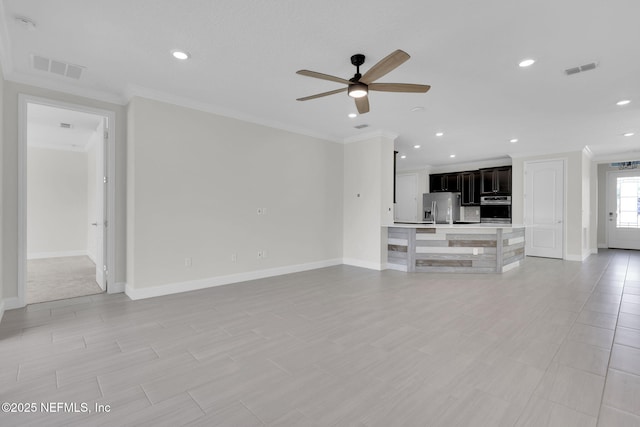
105 179
104 268
106 223
106 135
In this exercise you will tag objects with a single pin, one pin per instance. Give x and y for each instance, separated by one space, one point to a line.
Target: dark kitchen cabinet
442 182
470 188
495 180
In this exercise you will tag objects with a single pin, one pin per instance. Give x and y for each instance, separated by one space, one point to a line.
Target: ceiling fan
359 85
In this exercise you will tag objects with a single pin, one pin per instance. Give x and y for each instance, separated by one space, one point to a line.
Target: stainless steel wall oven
495 209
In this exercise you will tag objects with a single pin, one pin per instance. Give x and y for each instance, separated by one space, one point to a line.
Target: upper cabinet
470 188
442 182
473 183
495 180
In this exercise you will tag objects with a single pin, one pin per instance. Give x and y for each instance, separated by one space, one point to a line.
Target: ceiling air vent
581 68
361 126
56 67
66 125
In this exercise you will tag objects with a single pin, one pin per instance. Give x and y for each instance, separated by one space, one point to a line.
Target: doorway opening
64 200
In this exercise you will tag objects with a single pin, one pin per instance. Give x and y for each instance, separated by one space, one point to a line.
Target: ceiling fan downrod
357 60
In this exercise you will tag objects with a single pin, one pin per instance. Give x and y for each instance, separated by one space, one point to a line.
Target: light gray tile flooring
551 343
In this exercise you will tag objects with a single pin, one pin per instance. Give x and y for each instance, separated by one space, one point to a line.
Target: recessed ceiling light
403 156
416 146
439 133
526 63
628 134
623 102
352 115
181 55
513 140
452 155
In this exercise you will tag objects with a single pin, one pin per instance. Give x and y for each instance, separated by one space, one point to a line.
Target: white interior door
406 197
623 209
544 208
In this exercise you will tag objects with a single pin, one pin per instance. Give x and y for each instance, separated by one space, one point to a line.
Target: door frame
110 216
609 197
565 179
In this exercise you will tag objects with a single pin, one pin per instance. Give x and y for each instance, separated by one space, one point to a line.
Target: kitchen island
456 248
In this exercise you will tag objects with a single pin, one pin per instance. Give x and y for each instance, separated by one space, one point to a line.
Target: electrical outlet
259 211
264 254
234 257
259 254
187 262
264 211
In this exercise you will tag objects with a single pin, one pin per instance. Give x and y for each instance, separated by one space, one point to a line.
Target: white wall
10 179
195 181
2 141
56 203
368 200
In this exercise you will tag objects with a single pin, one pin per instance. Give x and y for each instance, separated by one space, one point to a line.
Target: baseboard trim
362 264
397 267
579 258
1 309
12 303
42 255
603 246
194 285
116 288
510 266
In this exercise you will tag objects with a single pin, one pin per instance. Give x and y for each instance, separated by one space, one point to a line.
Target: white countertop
483 225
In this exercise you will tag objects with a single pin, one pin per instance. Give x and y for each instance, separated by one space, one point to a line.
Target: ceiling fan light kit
359 85
358 90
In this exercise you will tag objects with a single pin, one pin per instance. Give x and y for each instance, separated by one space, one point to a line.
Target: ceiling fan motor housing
357 59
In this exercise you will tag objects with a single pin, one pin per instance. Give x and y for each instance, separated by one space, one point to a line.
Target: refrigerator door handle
434 209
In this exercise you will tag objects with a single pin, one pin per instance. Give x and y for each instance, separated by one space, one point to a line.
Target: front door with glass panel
623 209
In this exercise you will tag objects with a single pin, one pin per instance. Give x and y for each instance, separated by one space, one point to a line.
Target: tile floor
551 343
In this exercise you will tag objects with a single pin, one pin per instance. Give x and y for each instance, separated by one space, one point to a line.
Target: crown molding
45 83
144 92
371 135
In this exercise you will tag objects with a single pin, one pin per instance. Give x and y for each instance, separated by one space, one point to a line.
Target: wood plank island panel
455 249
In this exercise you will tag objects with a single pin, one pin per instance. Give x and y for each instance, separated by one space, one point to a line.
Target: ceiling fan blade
385 65
320 95
362 104
322 76
399 87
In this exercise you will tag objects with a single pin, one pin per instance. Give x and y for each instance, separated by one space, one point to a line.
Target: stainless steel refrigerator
441 208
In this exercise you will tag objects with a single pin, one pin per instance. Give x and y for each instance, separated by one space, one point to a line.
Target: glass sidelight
628 202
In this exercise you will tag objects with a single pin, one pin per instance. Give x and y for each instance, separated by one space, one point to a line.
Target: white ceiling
44 130
245 54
